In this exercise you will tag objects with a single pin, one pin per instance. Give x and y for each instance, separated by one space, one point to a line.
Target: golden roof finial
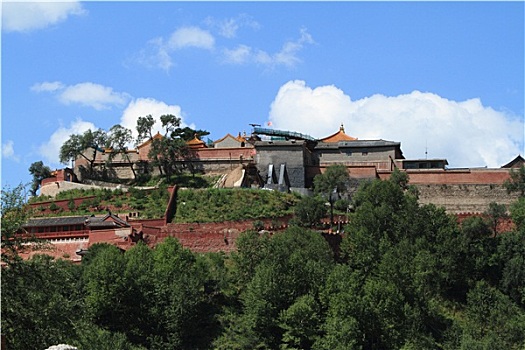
342 128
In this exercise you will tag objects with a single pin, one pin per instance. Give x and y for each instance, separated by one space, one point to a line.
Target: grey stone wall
295 154
464 198
360 154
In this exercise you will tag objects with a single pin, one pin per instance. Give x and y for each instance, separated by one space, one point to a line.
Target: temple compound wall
461 190
286 162
464 198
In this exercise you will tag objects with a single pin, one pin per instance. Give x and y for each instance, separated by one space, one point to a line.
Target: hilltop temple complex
268 158
289 161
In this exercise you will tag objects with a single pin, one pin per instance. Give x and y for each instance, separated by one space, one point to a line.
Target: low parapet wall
457 176
460 190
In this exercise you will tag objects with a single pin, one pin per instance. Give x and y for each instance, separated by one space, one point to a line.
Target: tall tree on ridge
332 184
78 144
39 172
145 130
119 139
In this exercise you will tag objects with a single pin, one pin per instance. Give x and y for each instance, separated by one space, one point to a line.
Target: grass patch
215 205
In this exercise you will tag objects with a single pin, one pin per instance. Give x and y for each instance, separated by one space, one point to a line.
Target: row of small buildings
289 160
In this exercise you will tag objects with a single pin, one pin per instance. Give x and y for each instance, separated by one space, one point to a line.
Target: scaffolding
282 133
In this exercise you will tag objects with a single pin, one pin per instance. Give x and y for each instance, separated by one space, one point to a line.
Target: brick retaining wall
458 198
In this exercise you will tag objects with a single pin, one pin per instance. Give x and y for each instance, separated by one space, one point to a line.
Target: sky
446 79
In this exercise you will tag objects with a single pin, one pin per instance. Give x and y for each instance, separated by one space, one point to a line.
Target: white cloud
287 56
155 55
8 151
28 16
240 54
228 27
93 95
191 37
87 94
158 51
47 86
466 132
50 150
142 107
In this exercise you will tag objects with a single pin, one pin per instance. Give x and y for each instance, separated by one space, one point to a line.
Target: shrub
342 205
53 206
309 211
258 225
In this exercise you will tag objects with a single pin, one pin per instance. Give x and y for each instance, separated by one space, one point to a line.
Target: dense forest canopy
407 276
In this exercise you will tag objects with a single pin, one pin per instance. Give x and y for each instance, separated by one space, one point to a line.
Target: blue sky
445 77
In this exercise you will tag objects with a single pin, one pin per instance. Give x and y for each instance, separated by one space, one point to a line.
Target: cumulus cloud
288 55
87 94
50 150
464 132
191 37
93 95
29 16
8 151
142 107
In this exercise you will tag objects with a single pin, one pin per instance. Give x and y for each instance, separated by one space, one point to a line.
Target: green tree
92 337
478 249
15 213
138 297
105 288
188 133
252 248
517 211
181 307
40 303
119 139
341 328
401 258
301 323
332 184
309 211
169 151
78 145
516 183
295 265
511 256
495 213
39 171
145 130
492 321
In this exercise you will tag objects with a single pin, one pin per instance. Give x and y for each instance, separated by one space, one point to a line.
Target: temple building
303 158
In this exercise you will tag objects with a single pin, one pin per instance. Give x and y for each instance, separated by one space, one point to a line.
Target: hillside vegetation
213 205
408 276
193 205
